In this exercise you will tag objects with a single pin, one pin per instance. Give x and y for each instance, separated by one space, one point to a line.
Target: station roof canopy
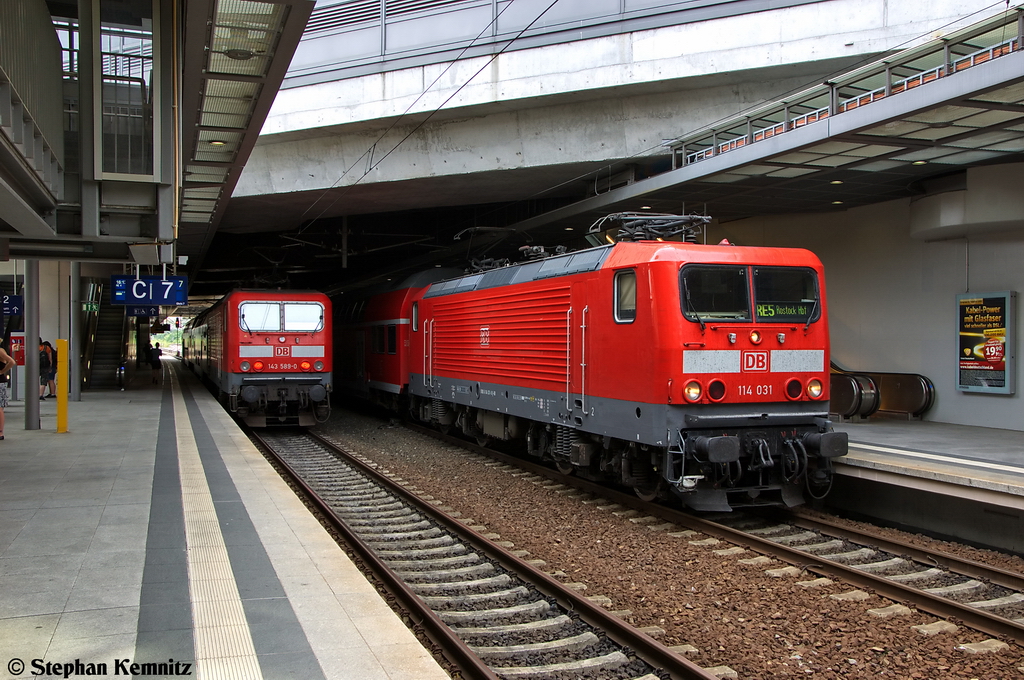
878 133
907 124
235 55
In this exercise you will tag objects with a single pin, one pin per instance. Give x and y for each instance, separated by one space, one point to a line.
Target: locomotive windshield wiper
810 316
689 305
245 326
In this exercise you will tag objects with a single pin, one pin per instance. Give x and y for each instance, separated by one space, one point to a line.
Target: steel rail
454 649
925 601
646 647
1000 577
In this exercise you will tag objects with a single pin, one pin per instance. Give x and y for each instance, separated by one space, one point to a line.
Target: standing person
44 368
52 377
154 360
5 372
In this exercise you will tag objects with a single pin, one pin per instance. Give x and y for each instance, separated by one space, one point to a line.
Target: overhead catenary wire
371 166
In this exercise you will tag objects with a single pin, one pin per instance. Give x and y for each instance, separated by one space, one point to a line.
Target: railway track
985 598
492 614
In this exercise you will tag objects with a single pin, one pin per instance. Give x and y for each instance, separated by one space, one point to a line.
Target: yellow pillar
62 385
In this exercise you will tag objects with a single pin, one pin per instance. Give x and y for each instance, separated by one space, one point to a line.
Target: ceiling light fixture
836 181
568 228
239 55
837 202
216 142
920 163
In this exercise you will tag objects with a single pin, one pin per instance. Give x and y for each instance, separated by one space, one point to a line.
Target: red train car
267 353
669 367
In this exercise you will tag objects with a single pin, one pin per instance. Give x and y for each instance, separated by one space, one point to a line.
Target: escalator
105 347
859 395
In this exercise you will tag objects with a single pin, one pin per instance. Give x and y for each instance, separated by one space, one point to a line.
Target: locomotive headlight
692 391
305 365
282 339
815 389
258 365
755 337
318 365
246 366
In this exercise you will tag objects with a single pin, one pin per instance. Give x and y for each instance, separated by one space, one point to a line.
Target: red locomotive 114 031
667 366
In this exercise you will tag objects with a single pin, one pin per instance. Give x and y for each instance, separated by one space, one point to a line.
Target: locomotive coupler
760 455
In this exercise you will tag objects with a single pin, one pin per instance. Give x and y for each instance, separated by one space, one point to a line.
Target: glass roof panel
834 147
797 158
1011 94
792 172
986 138
894 128
934 133
967 157
878 166
925 154
943 114
990 118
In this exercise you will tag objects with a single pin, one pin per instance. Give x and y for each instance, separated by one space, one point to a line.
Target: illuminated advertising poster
986 356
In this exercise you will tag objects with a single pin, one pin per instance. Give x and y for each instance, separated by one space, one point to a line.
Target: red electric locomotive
268 354
670 367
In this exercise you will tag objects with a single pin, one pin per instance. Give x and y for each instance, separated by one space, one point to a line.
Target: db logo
754 361
282 351
485 336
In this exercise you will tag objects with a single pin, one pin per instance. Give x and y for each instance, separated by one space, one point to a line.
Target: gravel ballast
732 613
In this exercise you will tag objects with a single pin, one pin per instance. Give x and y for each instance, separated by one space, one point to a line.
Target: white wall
892 298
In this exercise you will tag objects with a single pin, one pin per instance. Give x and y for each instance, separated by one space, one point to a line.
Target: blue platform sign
149 290
14 305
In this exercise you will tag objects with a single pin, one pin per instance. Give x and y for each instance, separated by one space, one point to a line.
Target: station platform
953 482
979 463
154 533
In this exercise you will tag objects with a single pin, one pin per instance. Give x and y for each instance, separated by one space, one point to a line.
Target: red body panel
560 334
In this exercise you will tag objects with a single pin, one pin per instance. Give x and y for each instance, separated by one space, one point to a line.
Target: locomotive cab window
272 317
625 296
415 316
303 317
392 339
718 292
259 316
786 294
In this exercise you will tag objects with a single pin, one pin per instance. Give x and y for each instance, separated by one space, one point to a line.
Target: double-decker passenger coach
267 353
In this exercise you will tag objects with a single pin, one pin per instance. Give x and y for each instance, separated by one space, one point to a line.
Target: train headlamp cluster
815 389
694 391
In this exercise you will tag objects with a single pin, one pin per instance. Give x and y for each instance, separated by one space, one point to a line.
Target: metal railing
899 73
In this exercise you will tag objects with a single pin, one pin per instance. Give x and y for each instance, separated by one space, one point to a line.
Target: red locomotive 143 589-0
665 366
267 353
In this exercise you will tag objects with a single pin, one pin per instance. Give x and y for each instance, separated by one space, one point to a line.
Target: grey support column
31 344
74 357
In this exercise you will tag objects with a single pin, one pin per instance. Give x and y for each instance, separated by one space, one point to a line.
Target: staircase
108 348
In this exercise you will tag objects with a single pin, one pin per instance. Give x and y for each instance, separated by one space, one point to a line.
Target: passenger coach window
625 296
415 316
303 317
259 316
716 292
392 339
786 294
